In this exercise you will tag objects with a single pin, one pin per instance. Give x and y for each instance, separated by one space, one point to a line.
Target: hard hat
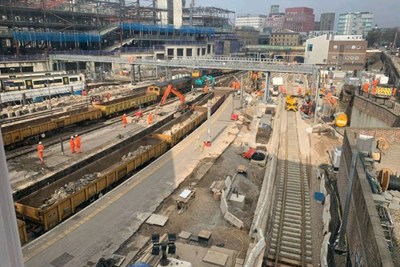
76 135
124 114
40 143
72 137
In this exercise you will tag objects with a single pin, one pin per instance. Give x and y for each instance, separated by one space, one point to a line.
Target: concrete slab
184 235
237 200
215 257
239 261
157 219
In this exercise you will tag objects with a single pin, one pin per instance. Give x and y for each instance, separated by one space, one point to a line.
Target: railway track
290 243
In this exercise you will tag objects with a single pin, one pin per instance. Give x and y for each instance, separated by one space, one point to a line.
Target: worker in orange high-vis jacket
77 143
72 144
40 151
124 120
299 91
150 118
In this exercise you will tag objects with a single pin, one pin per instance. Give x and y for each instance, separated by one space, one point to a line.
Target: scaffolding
208 17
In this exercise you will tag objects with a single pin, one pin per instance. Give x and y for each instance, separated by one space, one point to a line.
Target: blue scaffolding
167 29
62 37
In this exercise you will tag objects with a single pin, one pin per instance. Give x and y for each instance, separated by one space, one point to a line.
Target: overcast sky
386 12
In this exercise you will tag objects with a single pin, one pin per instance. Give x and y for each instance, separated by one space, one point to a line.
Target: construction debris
131 155
69 189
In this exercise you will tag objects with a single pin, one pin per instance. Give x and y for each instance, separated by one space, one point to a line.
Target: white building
346 52
355 23
172 14
256 21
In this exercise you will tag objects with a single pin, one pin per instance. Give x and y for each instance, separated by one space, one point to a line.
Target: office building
356 23
256 21
299 19
327 22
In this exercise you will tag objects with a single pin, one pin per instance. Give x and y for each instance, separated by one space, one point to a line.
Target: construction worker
205 89
365 87
299 91
77 143
72 144
150 118
394 91
40 150
124 120
374 88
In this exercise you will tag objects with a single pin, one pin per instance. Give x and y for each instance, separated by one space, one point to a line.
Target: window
309 47
358 47
356 57
73 79
353 47
346 57
334 57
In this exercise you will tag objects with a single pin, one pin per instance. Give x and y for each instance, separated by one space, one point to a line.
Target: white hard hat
76 135
40 143
72 137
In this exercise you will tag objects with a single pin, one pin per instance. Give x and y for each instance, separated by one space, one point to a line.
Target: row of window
348 47
348 57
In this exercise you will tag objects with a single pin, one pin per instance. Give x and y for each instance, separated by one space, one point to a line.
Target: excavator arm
169 90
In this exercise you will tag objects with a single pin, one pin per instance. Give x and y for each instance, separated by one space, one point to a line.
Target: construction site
126 141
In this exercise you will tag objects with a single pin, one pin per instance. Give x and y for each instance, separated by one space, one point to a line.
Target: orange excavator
183 106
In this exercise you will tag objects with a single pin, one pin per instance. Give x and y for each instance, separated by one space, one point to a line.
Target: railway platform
99 230
26 172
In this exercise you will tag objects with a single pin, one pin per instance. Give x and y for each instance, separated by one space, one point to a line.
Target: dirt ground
204 213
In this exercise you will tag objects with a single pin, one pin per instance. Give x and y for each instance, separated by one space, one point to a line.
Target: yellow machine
341 120
291 103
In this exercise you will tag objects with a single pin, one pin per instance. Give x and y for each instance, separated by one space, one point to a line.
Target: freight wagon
52 204
118 105
23 131
59 200
23 237
176 130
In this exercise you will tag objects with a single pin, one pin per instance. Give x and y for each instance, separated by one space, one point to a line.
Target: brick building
285 37
299 19
344 52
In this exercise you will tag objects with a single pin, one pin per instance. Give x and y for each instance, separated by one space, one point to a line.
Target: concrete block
157 219
237 200
216 258
184 235
233 220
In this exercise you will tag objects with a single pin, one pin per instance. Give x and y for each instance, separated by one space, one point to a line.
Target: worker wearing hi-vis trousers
124 120
77 143
72 144
40 150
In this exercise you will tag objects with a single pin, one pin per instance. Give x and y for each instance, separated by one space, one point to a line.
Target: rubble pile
69 189
179 126
135 153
